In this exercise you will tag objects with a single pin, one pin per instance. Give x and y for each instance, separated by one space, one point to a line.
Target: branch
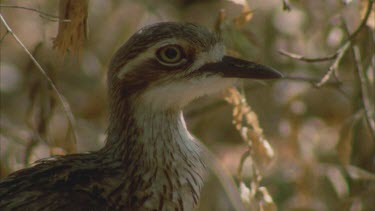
312 81
339 53
67 111
334 67
370 118
363 22
306 59
42 14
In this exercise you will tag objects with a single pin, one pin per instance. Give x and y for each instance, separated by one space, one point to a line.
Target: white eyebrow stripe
170 41
132 63
149 53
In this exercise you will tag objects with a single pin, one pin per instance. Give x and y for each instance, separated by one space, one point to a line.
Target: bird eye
170 55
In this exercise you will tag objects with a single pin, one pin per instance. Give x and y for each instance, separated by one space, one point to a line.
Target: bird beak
231 67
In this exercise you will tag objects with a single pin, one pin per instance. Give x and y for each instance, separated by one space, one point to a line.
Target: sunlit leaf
245 193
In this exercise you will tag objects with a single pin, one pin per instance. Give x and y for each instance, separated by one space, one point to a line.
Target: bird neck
158 152
153 132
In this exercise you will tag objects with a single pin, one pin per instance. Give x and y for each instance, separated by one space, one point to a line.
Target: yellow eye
170 54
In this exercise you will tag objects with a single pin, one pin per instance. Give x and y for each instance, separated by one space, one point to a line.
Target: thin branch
363 22
306 59
64 103
336 56
312 81
342 50
42 14
370 118
242 163
334 67
369 115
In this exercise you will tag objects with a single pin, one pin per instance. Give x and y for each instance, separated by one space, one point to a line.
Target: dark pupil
171 53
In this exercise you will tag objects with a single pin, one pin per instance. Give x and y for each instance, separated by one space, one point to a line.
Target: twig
370 118
306 59
242 163
339 54
336 56
363 22
312 81
333 56
42 14
67 111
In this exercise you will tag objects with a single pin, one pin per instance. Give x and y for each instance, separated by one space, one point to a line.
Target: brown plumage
150 160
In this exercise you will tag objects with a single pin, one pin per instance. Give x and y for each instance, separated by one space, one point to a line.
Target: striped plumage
150 160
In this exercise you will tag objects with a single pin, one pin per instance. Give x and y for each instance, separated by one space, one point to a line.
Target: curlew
150 160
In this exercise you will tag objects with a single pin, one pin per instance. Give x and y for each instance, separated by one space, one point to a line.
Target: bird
150 160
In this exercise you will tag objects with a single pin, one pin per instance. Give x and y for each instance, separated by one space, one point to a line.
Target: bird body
150 160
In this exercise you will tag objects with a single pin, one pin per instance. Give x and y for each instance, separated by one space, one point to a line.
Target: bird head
166 65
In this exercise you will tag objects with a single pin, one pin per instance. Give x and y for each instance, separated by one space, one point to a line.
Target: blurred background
318 124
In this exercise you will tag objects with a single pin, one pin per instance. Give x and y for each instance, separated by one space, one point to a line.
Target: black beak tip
274 74
265 72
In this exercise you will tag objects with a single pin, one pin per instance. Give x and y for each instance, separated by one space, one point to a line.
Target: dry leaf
245 193
266 203
246 122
